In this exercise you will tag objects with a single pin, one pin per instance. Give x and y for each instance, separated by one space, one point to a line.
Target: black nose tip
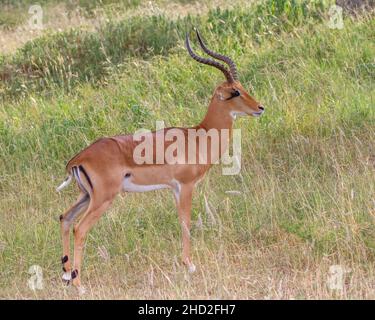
261 108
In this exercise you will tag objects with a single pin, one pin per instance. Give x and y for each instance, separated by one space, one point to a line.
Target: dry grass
134 251
230 273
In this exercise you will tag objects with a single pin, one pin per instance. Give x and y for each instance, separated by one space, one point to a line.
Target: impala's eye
235 93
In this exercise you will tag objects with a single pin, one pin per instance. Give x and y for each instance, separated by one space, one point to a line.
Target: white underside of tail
66 182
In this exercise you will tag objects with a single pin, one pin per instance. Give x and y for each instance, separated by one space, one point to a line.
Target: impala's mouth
257 114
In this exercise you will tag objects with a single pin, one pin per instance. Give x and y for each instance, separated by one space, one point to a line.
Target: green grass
308 165
66 59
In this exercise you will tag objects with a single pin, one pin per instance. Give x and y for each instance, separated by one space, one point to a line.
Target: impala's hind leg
92 215
66 221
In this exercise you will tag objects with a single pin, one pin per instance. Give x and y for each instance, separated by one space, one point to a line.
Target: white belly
129 186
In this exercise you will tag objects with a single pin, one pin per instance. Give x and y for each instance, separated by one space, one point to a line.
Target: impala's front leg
183 196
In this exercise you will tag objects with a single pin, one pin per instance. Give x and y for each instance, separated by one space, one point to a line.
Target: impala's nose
260 112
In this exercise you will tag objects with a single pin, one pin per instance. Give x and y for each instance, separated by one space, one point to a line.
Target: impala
108 166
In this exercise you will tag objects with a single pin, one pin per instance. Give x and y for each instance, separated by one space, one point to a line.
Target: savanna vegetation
303 202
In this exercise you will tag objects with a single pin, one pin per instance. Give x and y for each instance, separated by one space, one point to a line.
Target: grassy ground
306 199
90 15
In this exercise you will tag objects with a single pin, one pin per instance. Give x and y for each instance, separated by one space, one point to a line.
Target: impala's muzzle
259 113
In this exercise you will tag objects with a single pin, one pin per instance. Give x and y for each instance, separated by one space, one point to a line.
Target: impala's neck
221 121
215 118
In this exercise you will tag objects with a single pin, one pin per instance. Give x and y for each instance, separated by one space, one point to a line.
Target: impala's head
231 95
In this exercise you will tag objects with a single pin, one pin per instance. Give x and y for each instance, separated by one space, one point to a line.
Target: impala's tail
84 184
65 183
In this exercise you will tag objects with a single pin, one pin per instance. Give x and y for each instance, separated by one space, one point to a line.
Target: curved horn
209 62
229 61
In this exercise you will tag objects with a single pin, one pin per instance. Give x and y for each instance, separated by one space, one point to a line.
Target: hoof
192 268
66 277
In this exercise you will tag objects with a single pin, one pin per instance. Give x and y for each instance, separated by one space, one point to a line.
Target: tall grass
305 197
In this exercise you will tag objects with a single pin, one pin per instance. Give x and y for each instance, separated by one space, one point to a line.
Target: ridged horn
227 60
208 61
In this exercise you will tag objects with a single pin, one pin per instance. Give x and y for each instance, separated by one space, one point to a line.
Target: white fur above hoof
192 268
67 276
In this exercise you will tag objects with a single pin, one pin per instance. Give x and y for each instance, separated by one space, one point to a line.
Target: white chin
234 114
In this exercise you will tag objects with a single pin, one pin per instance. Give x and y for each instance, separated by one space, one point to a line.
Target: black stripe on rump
76 176
86 176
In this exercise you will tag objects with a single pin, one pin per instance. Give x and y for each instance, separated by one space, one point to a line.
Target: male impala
108 166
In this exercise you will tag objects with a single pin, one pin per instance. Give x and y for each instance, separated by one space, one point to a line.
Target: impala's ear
221 93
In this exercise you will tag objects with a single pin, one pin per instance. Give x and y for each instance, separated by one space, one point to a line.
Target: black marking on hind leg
64 260
74 274
61 217
87 176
